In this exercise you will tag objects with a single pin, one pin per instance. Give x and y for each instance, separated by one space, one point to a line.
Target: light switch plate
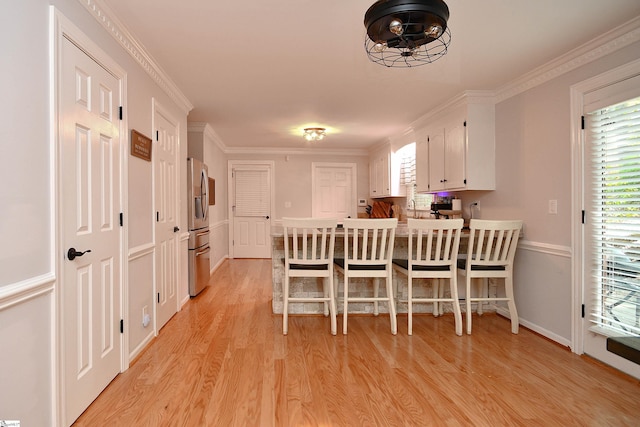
362 202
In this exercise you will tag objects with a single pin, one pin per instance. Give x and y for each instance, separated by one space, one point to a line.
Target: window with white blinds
252 193
614 136
408 178
408 167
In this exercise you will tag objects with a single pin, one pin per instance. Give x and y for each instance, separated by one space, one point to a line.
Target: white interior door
166 199
334 193
251 211
90 206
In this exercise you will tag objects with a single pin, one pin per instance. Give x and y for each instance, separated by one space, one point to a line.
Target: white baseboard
537 329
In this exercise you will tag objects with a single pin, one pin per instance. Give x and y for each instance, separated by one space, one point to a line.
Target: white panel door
90 207
165 155
333 192
252 212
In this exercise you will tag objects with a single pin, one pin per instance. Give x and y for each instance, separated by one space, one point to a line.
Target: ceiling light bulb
314 134
395 27
434 31
379 47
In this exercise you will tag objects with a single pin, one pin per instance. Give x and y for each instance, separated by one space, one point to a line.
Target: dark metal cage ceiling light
407 33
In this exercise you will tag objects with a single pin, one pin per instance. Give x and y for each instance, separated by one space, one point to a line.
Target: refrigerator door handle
204 251
204 200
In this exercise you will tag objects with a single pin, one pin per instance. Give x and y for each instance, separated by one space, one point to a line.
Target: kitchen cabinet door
437 181
384 175
379 174
454 155
462 151
422 165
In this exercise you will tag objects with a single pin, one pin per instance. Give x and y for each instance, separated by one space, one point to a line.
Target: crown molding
298 151
207 130
595 49
118 31
465 98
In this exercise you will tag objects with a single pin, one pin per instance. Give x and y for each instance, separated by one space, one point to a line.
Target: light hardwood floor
223 361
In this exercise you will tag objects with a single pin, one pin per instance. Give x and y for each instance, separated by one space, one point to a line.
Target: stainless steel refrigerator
199 251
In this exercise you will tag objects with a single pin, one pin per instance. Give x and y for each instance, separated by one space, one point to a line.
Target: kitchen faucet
415 212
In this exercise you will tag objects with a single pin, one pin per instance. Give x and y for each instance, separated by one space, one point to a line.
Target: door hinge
158 297
465 123
465 181
121 219
120 112
157 216
582 122
122 326
584 216
583 311
157 135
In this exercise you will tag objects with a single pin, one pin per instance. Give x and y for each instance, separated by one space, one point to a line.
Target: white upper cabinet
422 164
384 174
460 149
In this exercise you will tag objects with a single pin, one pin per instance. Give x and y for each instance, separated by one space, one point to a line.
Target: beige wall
29 276
293 178
533 166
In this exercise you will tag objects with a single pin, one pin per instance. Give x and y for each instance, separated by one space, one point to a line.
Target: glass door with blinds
611 250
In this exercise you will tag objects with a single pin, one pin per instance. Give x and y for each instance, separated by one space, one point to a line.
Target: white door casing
333 190
89 151
250 233
165 160
583 339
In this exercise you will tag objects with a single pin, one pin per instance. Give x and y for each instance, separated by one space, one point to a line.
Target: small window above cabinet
456 149
384 174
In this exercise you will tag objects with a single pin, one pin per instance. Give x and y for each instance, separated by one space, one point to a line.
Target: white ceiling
259 71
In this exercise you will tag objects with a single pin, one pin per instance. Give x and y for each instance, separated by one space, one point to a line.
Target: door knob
176 229
267 217
72 253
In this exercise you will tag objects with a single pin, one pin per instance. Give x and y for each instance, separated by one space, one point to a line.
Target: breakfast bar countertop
401 230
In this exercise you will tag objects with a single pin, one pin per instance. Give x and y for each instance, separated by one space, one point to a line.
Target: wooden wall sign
212 191
140 145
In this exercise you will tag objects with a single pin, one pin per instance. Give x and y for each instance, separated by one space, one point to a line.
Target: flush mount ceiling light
406 33
314 134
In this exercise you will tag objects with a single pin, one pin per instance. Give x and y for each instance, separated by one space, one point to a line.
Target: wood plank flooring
223 361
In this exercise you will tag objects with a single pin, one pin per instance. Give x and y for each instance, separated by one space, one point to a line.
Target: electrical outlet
146 319
553 207
476 204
